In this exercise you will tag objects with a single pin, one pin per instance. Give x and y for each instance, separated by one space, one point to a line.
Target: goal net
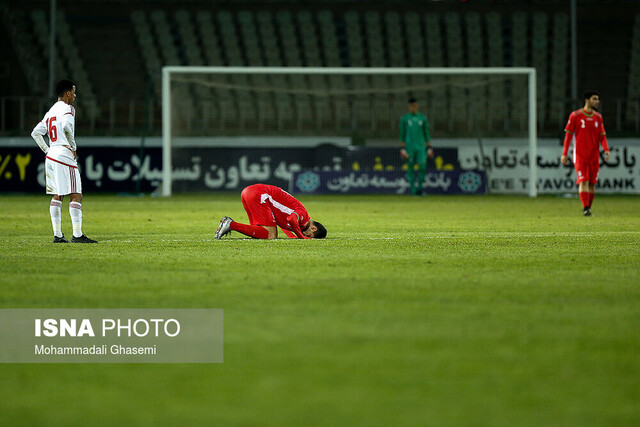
210 111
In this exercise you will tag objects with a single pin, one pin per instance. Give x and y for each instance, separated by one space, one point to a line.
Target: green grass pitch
414 311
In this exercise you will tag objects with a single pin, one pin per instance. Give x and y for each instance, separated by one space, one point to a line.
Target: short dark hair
63 86
588 94
412 100
321 232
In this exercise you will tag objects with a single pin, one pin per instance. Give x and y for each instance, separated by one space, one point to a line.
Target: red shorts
587 171
259 213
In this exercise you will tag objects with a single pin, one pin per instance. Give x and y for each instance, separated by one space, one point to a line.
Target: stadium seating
248 39
209 38
396 46
192 34
68 59
166 45
376 58
633 91
41 31
29 55
475 58
435 101
332 58
71 55
519 55
539 55
356 45
458 98
212 53
311 51
293 58
557 102
495 58
415 38
273 107
148 48
187 33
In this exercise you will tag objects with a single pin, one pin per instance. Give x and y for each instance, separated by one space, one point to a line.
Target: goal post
234 79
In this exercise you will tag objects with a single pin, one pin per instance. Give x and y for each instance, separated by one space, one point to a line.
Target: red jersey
289 214
586 131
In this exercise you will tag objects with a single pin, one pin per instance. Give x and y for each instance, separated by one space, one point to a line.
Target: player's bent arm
69 131
40 141
37 134
292 222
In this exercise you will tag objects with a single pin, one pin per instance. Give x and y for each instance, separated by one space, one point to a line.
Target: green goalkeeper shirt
414 131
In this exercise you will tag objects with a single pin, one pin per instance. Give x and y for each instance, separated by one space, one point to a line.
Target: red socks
584 198
256 231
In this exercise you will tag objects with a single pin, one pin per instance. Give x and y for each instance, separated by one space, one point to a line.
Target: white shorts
61 171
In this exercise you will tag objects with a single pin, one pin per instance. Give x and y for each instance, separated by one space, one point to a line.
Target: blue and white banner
199 169
387 182
508 169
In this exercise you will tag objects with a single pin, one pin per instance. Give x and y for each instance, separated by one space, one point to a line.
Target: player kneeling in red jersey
585 129
269 207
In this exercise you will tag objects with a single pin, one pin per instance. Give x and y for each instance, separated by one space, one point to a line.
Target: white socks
75 210
54 211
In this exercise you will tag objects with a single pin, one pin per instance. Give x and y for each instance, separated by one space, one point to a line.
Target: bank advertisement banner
203 169
387 182
225 169
199 169
102 169
508 169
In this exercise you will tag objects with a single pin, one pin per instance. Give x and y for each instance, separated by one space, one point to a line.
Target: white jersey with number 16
59 124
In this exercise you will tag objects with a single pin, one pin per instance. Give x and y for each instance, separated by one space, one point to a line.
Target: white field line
452 235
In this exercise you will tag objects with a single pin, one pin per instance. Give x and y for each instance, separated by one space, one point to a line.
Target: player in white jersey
61 167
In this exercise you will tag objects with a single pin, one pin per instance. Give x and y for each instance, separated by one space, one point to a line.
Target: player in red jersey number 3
585 129
268 208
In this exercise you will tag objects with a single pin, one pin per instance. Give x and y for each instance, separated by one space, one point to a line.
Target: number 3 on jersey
51 129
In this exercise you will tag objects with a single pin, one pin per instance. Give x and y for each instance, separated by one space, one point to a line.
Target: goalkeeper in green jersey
415 145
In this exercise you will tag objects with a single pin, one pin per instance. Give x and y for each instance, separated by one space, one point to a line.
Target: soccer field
414 311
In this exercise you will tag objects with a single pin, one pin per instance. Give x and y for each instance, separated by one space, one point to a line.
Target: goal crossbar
167 71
